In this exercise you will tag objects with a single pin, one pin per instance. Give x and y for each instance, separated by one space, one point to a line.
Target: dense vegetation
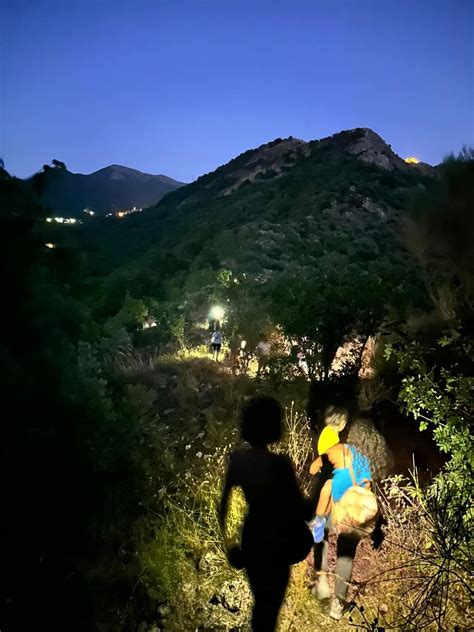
115 444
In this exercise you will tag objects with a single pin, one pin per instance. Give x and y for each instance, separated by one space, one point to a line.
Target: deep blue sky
180 87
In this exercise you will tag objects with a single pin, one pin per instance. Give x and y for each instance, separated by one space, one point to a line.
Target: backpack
356 512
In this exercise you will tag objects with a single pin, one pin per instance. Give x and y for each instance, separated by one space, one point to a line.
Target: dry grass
184 564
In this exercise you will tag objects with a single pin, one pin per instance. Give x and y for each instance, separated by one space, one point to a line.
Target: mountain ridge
106 190
274 204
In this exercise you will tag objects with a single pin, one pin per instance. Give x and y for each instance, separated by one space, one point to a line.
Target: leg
320 554
319 481
268 584
322 508
346 550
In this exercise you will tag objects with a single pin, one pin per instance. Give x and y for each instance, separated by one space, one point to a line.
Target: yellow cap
327 439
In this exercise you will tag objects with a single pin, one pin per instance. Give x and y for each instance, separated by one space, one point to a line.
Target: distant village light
63 220
411 160
50 245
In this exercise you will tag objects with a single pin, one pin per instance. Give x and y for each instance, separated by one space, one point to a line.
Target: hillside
286 201
106 190
300 241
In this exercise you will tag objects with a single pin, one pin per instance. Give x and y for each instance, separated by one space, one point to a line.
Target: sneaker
317 525
337 609
321 589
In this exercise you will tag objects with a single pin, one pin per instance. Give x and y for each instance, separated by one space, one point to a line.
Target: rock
370 206
233 595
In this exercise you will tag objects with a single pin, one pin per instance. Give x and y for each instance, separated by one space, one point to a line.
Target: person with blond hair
335 420
365 457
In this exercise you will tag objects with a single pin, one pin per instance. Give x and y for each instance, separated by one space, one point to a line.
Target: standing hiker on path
216 343
264 349
274 534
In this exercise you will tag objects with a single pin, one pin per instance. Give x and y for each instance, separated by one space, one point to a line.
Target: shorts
216 346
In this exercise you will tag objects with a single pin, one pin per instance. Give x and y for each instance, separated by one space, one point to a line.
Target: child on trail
343 458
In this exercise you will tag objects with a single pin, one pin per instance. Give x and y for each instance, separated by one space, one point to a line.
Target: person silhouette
275 533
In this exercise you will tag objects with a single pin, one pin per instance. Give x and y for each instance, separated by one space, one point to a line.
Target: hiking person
237 353
274 534
363 457
335 420
264 349
216 343
234 352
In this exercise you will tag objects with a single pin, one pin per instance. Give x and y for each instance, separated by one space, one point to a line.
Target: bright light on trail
217 313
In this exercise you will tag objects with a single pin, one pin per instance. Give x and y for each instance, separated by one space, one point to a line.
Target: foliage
440 232
437 368
438 390
320 313
118 443
428 556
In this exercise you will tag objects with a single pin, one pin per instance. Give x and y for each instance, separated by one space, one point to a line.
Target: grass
180 547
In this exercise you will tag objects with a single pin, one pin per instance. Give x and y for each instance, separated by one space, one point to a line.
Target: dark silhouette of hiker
275 534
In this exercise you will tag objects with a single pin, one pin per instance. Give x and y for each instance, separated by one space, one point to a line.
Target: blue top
342 480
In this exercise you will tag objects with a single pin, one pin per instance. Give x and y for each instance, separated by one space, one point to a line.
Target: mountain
284 202
106 190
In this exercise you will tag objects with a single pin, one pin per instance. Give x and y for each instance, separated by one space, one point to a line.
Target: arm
222 512
315 466
324 474
229 483
297 504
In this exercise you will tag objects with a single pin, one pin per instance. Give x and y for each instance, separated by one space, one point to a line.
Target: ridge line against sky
179 88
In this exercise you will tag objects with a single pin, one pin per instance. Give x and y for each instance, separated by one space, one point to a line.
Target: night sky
181 87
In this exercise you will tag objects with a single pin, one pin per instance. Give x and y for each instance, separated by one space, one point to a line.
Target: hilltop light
411 160
217 312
